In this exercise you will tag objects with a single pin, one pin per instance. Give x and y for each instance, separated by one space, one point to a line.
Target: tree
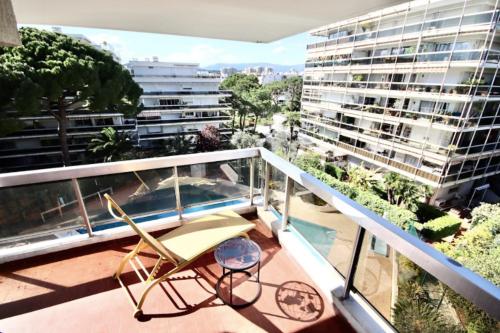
110 145
241 85
294 91
361 177
405 192
283 147
292 121
55 74
484 213
208 139
259 100
242 139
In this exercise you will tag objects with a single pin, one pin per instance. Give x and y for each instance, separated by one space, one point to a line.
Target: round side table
237 255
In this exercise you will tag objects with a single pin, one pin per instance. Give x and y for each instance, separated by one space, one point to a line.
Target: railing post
178 203
252 180
286 204
81 205
267 178
358 242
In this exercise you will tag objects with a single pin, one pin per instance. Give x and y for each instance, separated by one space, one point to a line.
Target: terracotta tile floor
73 291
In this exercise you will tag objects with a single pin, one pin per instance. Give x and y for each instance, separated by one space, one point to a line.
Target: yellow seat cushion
200 235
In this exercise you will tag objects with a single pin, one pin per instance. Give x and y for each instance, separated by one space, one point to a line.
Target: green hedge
427 212
441 227
335 171
401 217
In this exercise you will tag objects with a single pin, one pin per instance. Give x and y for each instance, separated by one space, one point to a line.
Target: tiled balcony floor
73 291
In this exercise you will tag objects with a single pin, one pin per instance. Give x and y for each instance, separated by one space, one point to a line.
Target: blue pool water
163 215
320 237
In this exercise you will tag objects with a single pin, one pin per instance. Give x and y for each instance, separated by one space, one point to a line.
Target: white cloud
202 54
278 50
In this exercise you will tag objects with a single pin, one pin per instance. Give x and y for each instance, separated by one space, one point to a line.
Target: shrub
308 160
478 250
426 212
441 227
484 212
335 171
401 217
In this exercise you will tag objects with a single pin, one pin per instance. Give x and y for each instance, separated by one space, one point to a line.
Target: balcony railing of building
182 92
186 106
428 26
72 130
433 88
436 175
158 120
65 206
200 76
476 117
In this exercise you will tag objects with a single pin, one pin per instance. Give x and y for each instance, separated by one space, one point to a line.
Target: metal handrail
102 169
472 286
465 282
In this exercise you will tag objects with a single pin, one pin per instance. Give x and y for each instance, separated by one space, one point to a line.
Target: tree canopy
55 73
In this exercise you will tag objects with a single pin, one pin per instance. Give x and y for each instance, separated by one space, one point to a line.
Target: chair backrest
145 236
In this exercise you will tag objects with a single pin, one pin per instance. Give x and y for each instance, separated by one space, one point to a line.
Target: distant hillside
241 66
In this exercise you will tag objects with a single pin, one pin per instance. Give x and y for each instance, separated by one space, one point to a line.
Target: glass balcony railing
428 26
374 259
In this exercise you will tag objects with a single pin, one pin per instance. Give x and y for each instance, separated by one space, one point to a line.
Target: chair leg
141 245
138 309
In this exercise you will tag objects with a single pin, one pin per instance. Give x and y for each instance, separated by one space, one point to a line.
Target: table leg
258 272
231 287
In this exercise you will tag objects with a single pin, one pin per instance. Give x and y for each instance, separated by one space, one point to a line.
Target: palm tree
403 191
292 121
110 145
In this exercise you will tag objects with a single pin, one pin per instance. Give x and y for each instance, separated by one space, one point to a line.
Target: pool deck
72 291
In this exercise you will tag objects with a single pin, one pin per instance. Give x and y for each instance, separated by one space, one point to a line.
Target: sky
205 51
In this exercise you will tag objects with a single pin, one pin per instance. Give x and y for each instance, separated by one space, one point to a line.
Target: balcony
62 247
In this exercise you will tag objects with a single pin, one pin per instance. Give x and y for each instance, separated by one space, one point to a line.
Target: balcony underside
73 291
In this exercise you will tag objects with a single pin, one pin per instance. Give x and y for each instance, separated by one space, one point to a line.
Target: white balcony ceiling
244 20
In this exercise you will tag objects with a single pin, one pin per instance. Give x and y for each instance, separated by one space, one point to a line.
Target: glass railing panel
144 195
212 183
329 231
277 184
407 296
38 212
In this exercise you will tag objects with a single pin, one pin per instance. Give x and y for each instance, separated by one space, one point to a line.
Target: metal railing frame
470 285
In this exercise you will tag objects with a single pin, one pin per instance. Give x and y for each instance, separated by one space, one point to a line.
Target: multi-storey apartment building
178 99
412 88
37 145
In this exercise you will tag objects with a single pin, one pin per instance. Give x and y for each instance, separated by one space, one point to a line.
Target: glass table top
237 253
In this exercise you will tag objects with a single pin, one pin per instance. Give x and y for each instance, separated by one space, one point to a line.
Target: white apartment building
412 88
178 99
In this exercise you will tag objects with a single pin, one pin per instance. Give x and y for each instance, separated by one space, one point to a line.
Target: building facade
413 89
178 99
37 145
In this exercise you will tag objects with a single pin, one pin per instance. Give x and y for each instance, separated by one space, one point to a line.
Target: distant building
227 71
178 99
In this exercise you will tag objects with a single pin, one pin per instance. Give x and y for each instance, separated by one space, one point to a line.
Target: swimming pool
320 237
194 198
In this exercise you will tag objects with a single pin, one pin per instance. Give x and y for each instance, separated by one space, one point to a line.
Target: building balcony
328 264
152 120
186 107
442 26
75 130
186 93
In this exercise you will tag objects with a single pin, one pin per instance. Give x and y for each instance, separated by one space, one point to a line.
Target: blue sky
287 51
